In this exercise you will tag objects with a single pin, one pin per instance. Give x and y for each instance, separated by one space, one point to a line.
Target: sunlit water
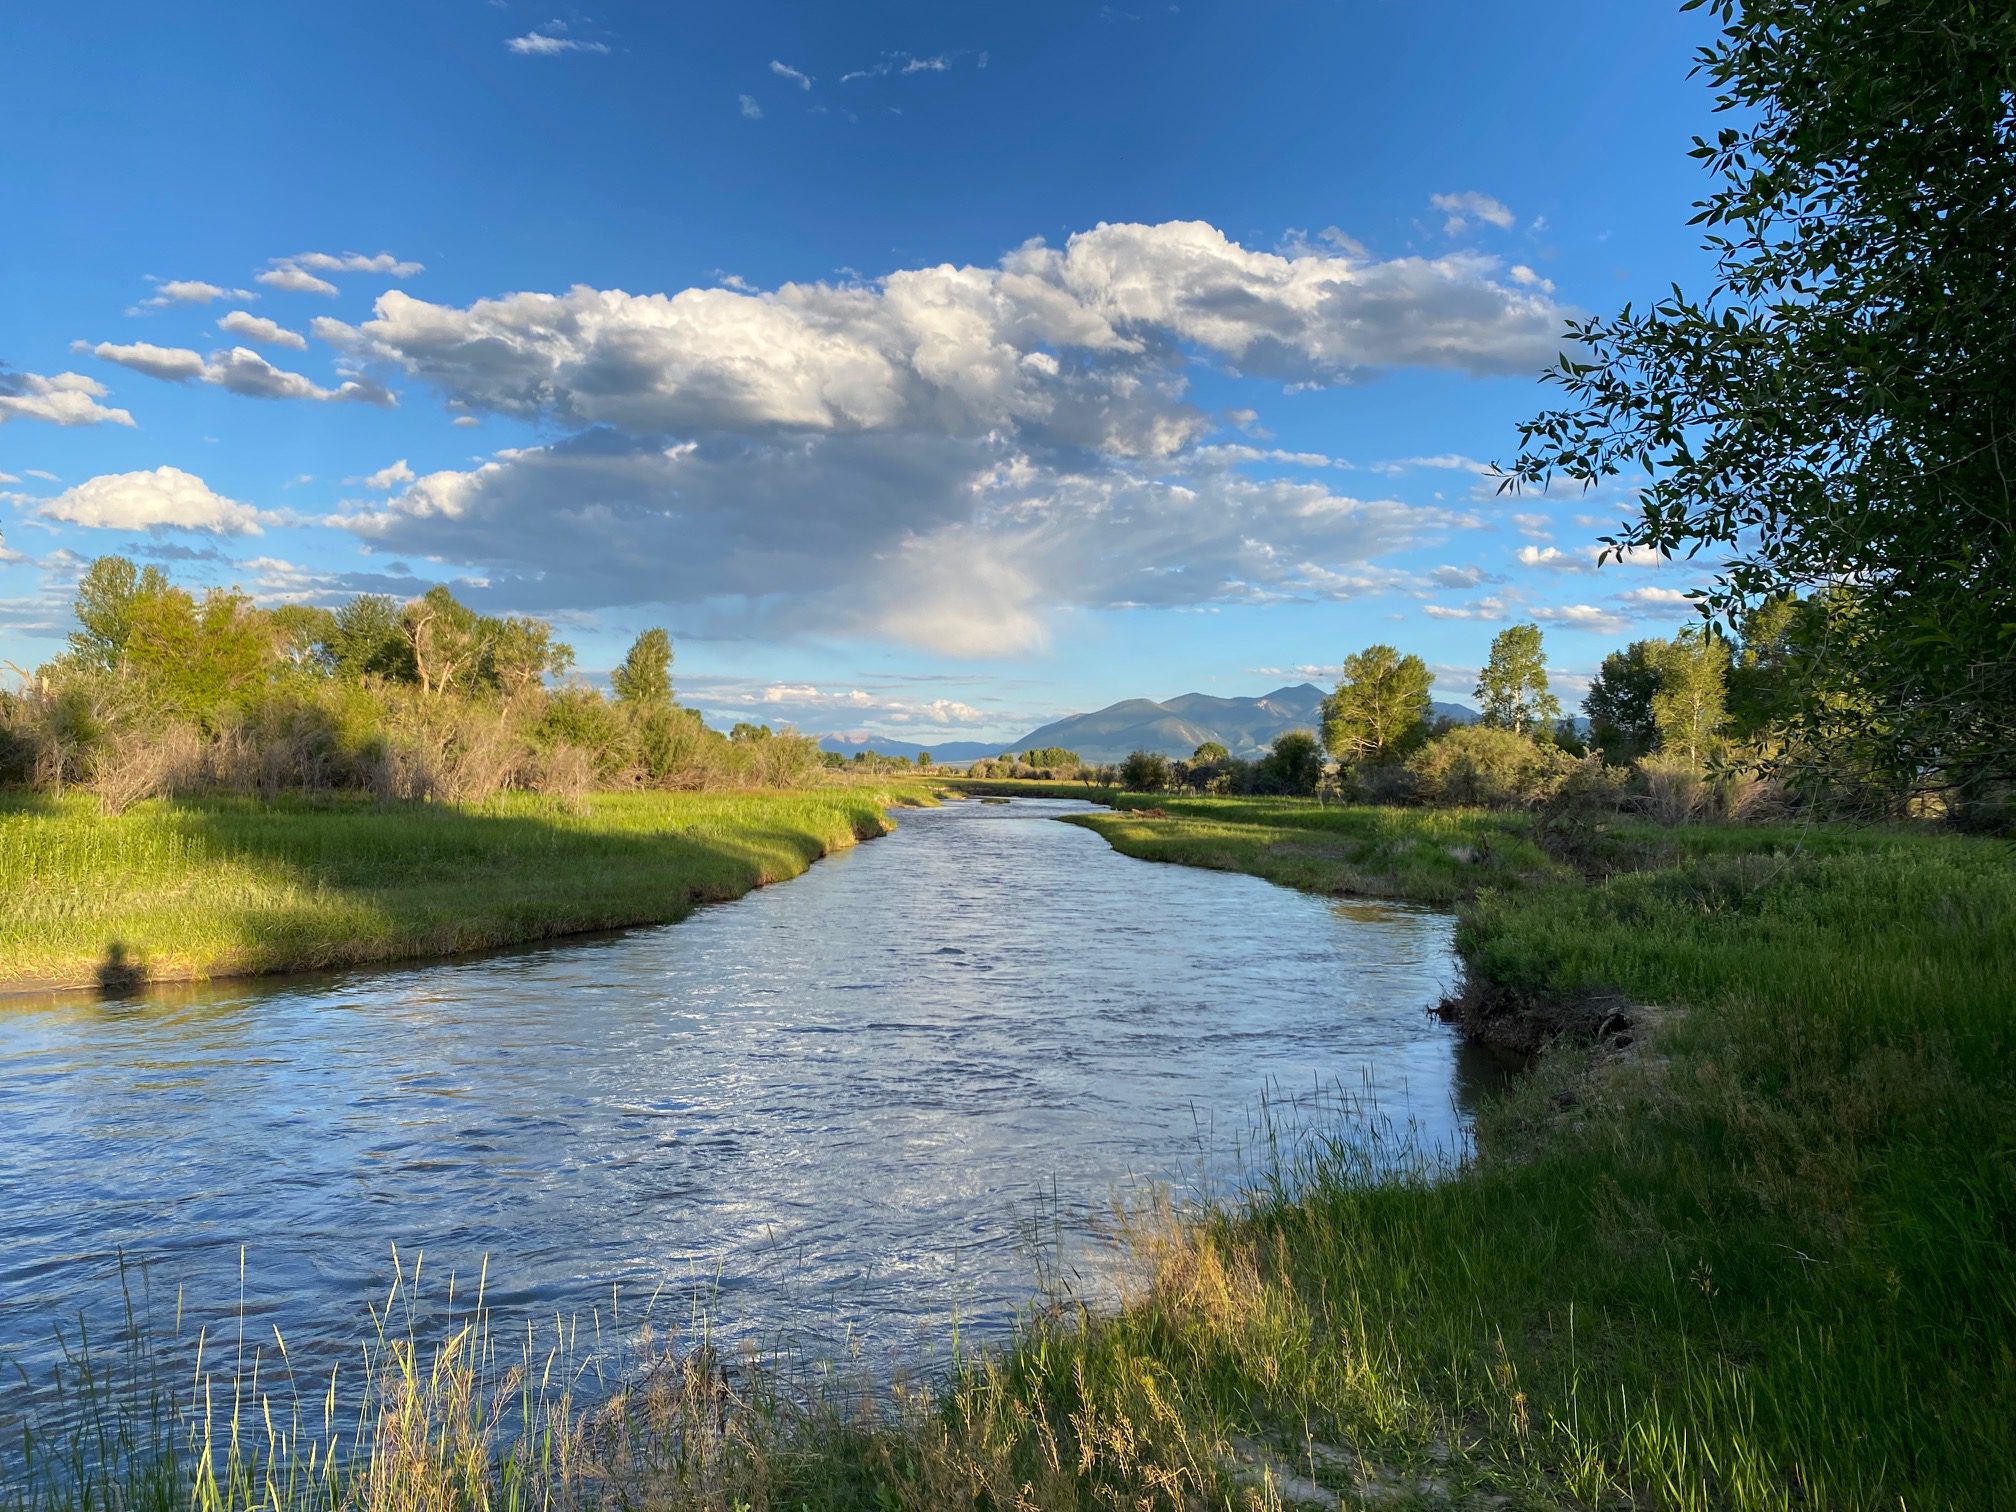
845 1111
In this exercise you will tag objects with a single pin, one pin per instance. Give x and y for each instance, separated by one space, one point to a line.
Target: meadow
223 885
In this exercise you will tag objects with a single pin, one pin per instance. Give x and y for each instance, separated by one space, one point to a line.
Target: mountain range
1174 727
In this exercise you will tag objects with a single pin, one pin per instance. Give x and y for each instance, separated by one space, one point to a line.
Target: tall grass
209 887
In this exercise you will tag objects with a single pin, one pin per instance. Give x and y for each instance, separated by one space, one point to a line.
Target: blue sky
928 369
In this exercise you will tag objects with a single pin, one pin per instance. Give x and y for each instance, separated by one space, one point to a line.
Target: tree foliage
1145 772
1512 690
1619 702
1690 707
645 676
1379 709
1834 418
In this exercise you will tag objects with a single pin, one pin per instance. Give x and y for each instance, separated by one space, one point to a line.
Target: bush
1145 772
1486 767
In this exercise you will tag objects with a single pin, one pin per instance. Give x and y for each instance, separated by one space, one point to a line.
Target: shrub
1486 767
1145 772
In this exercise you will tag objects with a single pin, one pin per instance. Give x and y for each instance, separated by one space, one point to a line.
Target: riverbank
1759 1257
1758 1253
189 889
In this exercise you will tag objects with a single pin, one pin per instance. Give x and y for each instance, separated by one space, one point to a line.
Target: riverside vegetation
1747 1242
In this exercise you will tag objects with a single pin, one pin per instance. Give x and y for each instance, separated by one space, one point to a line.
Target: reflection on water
837 1105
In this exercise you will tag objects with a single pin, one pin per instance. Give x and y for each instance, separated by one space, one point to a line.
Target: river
843 1111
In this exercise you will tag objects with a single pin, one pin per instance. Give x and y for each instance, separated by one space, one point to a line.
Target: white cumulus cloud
167 497
259 328
60 399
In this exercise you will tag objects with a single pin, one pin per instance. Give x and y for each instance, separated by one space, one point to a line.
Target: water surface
840 1107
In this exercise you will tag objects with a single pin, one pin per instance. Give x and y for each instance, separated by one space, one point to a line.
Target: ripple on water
845 1104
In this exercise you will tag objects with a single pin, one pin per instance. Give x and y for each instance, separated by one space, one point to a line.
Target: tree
368 639
1836 412
1211 753
445 640
106 595
1294 764
1690 706
923 761
644 680
519 653
198 657
1380 708
1619 704
1050 758
1512 690
1144 772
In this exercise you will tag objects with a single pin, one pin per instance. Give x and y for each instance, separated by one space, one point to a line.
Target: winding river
844 1111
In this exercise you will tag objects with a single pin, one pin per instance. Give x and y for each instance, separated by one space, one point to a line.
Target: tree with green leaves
1380 708
644 680
1619 703
1294 764
1691 704
106 594
368 639
519 653
1512 689
1210 753
1833 419
923 761
1144 772
445 638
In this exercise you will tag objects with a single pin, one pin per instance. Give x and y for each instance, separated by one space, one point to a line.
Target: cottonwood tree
519 653
1690 706
1512 690
1380 707
106 595
1619 701
1835 418
645 677
442 633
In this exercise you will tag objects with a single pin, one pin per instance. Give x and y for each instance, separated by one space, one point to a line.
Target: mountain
951 752
1175 727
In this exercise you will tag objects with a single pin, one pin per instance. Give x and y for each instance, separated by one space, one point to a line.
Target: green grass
1763 1258
199 888
1427 855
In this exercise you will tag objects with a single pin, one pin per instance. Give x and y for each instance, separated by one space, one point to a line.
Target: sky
929 370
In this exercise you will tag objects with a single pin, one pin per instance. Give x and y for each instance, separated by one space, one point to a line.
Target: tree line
161 690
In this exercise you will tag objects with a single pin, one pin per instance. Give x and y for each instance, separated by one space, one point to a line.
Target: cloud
352 262
1527 278
750 109
945 455
1657 598
1554 559
1462 577
294 280
1583 617
60 399
166 498
174 291
903 65
241 370
1463 208
1491 607
259 328
1446 461
545 44
387 477
786 71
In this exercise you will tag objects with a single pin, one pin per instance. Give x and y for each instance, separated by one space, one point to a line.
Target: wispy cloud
903 64
750 109
1470 205
549 44
786 71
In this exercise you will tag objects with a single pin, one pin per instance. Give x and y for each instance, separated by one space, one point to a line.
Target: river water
842 1112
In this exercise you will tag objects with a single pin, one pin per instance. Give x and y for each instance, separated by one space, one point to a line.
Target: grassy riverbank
1761 1257
225 886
